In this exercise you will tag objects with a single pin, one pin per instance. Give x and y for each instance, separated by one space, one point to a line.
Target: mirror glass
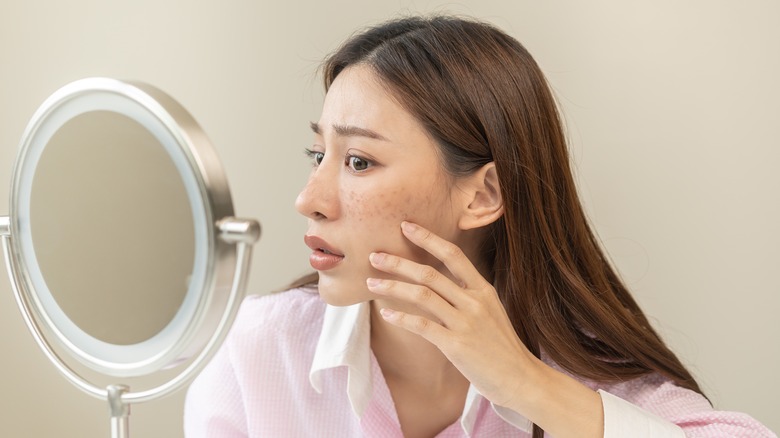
112 228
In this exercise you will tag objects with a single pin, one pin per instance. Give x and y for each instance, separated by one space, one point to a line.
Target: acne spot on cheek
364 207
389 206
354 206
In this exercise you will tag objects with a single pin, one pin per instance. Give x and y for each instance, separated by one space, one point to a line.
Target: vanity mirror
122 247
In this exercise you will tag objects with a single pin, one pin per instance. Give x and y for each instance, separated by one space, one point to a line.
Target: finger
447 252
418 274
434 333
419 295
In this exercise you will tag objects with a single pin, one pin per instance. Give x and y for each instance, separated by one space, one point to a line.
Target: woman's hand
473 330
471 326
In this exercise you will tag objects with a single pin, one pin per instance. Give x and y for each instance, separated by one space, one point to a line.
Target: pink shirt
293 366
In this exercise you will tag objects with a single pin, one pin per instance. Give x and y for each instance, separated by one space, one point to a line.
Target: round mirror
121 239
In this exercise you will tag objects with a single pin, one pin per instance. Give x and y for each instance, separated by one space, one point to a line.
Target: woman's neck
428 391
408 357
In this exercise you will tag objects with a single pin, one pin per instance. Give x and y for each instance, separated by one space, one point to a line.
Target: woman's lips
323 256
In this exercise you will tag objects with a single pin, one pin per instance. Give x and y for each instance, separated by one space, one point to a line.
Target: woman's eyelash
357 163
314 156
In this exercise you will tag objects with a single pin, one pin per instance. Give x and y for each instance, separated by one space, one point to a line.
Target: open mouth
318 244
323 256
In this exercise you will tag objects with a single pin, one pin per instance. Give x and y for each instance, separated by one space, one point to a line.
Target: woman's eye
358 164
315 156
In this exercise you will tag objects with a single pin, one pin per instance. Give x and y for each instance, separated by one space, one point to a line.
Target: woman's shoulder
294 311
654 392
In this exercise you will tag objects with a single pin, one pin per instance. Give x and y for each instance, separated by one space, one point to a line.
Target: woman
460 290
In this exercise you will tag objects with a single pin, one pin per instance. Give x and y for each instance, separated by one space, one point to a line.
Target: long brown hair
483 98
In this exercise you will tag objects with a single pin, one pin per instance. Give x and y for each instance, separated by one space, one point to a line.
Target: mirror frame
214 273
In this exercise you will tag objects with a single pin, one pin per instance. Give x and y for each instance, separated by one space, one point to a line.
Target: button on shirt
294 366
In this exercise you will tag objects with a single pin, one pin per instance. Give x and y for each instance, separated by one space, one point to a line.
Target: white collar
345 340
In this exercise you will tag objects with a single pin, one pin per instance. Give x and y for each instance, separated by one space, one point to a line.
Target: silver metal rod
5 226
234 230
120 411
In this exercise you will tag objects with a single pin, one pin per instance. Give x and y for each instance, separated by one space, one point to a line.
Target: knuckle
423 294
453 251
420 324
481 311
428 274
475 308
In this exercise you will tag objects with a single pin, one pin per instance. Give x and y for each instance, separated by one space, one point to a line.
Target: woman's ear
483 203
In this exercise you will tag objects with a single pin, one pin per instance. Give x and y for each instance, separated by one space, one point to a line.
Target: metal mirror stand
224 270
242 233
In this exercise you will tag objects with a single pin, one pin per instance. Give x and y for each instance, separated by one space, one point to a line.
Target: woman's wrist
557 403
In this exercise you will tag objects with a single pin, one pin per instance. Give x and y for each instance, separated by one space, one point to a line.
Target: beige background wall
672 108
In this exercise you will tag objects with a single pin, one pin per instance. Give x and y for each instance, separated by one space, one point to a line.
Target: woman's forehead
358 99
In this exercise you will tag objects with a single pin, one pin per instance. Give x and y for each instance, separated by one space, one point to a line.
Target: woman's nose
319 198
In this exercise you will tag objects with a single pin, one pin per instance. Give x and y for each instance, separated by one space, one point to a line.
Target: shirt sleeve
214 407
655 407
623 419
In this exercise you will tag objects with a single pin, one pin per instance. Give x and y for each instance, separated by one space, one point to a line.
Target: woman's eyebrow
349 131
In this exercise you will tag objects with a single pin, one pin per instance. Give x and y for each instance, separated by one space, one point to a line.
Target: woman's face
374 167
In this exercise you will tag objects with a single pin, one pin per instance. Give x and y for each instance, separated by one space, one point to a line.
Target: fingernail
376 258
386 313
373 282
408 227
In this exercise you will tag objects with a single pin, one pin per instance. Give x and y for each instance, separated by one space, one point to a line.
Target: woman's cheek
378 208
376 212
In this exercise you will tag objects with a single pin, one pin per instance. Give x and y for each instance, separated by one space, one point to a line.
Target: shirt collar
345 341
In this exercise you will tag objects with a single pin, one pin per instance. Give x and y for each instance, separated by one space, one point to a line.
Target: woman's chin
341 295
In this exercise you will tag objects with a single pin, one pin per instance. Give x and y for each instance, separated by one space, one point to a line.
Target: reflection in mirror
90 212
